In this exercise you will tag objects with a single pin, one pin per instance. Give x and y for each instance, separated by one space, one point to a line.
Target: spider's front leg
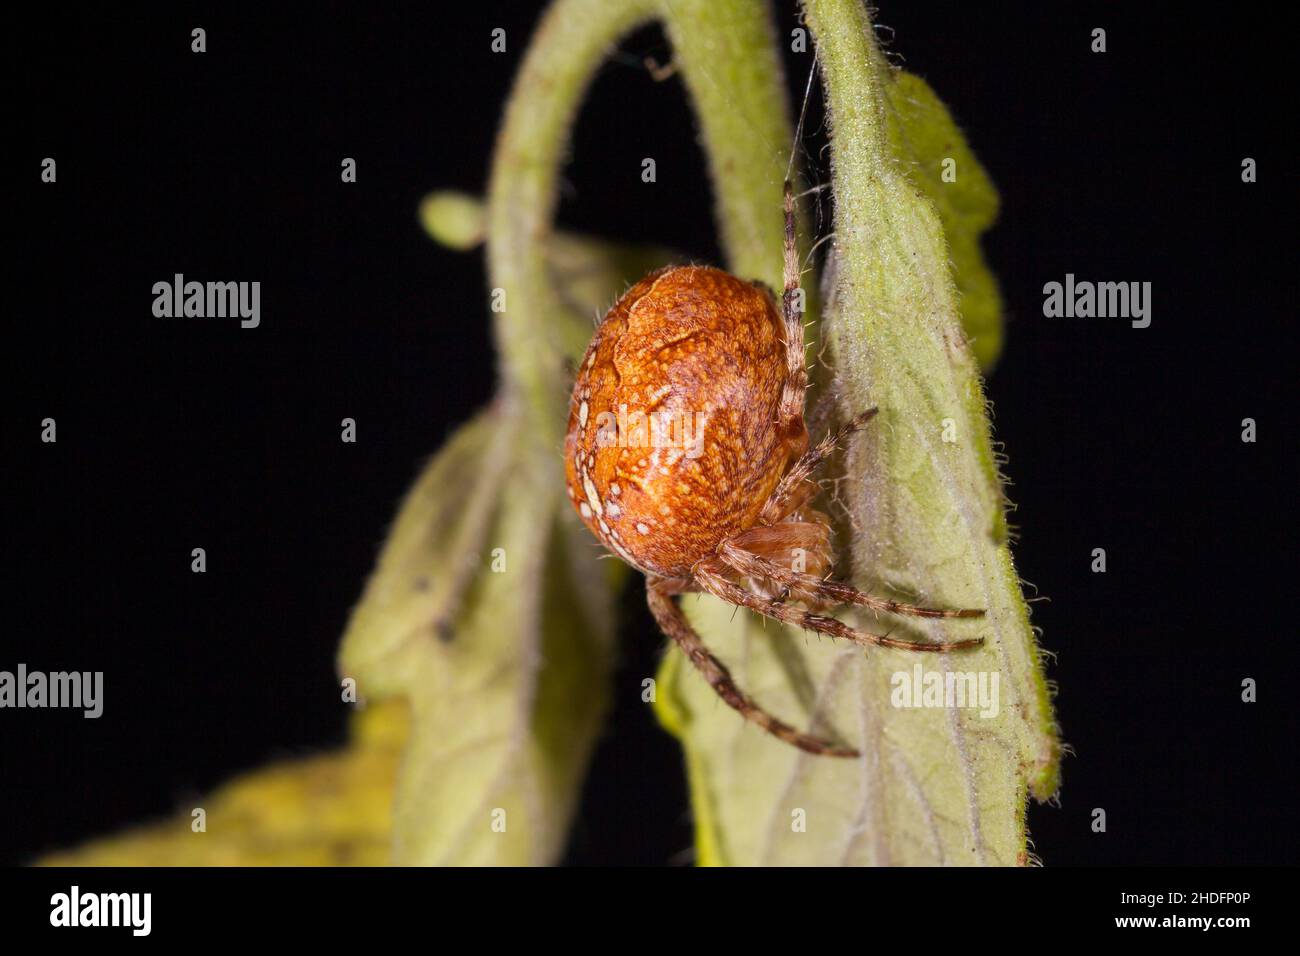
793 489
790 413
719 585
809 586
671 620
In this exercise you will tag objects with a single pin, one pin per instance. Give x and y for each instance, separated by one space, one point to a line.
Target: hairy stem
572 39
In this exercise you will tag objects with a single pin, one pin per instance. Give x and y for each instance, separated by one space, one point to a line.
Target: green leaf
506 672
476 617
433 552
922 136
935 785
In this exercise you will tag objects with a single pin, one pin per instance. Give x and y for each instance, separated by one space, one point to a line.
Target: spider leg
818 417
673 622
777 505
794 392
796 375
718 585
755 565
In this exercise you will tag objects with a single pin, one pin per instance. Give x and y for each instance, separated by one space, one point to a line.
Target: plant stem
726 53
572 39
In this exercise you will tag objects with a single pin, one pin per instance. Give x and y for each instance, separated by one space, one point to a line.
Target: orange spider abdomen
673 441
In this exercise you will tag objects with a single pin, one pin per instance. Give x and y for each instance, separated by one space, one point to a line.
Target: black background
1120 166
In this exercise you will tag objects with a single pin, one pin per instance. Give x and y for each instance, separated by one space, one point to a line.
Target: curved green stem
571 41
726 53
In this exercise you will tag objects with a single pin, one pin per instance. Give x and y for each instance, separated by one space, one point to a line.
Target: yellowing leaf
333 809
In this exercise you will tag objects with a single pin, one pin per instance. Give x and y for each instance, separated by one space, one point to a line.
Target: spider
688 456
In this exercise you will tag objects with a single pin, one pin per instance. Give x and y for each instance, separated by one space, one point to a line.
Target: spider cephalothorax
688 456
